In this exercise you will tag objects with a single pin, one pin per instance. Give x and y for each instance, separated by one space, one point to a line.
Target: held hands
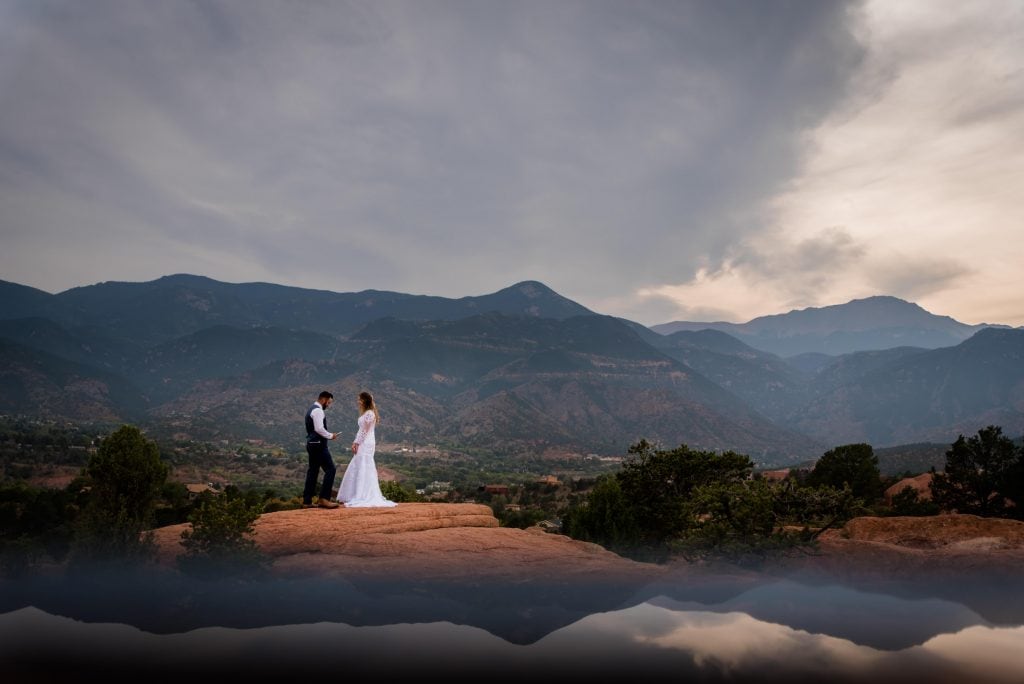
355 447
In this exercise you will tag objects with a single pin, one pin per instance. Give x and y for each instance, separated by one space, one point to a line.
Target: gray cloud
437 147
773 258
912 277
799 271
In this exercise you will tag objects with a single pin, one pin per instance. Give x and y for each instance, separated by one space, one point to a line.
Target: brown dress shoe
328 504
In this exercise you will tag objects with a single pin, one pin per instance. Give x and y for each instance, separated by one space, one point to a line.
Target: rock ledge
422 540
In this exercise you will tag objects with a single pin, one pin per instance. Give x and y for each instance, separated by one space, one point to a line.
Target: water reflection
743 628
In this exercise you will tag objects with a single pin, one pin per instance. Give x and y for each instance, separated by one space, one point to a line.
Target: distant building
548 479
775 475
496 489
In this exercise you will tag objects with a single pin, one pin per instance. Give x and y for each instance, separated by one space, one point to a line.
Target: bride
359 487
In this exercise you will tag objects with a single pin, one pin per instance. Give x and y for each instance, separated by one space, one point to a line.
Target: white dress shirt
317 414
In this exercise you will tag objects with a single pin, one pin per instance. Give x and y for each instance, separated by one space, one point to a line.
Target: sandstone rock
978 562
463 543
421 541
922 484
940 548
933 532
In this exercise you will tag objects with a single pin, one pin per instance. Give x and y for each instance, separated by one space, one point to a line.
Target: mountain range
859 325
520 371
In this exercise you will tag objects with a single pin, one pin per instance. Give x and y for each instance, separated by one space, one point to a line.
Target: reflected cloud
733 642
738 645
992 653
869 619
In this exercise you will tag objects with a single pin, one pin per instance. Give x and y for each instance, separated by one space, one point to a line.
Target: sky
669 160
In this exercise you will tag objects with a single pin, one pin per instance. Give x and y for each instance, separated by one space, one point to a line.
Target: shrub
219 542
908 502
399 494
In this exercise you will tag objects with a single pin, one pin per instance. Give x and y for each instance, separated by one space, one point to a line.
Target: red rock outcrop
922 484
940 546
463 542
948 531
422 540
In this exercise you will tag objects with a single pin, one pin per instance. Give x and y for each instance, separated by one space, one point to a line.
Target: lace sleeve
365 423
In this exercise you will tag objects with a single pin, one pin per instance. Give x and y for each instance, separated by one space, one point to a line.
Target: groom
319 454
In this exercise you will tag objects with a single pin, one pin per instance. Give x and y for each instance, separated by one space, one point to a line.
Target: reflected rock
976 561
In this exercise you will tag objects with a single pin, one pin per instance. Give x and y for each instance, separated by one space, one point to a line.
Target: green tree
816 509
853 465
604 517
702 502
220 541
125 478
174 505
1013 488
908 502
729 517
35 524
747 519
522 519
657 484
981 472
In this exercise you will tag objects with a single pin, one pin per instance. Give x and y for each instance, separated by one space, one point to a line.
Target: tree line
694 503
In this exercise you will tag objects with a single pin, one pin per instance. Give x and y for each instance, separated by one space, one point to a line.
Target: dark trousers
319 457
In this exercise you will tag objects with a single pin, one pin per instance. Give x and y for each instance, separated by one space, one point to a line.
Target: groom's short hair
326 395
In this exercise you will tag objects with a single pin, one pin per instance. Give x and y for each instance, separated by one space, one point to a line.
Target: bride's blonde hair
367 404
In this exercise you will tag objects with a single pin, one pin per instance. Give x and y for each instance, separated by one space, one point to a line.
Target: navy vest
311 434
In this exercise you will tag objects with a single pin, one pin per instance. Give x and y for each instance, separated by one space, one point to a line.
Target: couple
359 487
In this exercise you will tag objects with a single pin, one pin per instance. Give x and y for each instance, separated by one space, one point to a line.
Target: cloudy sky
669 160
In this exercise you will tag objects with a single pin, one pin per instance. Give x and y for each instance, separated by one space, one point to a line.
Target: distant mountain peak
184 278
873 304
533 298
882 299
531 289
875 322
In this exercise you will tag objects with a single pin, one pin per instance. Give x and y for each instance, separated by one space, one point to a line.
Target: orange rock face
463 543
421 540
939 546
922 484
949 531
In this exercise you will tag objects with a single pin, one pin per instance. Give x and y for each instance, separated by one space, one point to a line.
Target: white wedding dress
359 486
